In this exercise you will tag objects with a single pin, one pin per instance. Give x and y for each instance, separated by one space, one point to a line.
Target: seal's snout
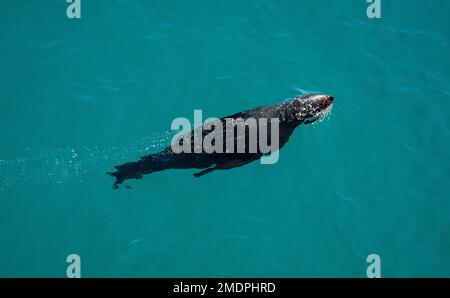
312 107
324 100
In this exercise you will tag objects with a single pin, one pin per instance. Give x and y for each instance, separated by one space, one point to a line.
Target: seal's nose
330 99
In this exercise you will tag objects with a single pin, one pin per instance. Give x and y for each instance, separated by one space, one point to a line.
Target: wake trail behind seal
61 165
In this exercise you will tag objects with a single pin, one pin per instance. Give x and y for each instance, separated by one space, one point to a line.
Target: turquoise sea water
78 96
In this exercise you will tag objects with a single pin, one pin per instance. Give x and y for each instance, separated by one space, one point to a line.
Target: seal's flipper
227 165
131 170
208 170
236 163
135 170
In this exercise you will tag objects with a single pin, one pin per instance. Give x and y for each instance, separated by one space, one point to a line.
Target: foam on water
61 165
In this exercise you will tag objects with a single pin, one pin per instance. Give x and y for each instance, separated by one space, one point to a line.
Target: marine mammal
304 109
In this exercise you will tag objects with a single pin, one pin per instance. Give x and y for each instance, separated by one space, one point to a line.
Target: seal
304 109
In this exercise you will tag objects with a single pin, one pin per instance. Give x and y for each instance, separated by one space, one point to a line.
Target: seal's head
310 107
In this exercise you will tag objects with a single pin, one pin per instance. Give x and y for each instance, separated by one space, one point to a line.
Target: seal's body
299 110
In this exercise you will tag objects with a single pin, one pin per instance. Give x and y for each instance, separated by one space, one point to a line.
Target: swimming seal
303 109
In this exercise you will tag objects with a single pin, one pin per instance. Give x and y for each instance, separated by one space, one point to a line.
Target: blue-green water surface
78 96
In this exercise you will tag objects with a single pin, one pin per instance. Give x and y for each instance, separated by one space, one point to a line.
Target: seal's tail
135 170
